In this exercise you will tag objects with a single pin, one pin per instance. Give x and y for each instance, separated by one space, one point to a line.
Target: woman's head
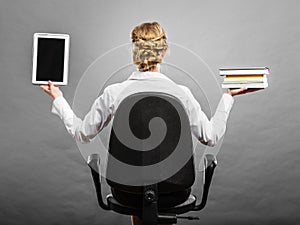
149 45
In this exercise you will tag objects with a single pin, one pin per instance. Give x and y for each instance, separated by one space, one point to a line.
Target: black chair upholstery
153 196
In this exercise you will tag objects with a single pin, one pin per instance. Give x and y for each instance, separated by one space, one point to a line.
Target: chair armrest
94 164
210 163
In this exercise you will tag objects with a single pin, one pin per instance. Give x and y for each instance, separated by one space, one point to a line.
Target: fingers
244 90
50 84
45 88
238 91
254 89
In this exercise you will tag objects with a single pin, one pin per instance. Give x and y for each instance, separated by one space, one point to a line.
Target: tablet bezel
36 37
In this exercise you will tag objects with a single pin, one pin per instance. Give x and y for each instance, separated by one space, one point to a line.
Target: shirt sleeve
209 132
95 120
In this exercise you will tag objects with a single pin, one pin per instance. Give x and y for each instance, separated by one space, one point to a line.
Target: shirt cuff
57 102
226 103
61 107
228 98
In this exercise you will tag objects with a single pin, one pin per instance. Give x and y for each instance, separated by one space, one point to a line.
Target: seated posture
149 48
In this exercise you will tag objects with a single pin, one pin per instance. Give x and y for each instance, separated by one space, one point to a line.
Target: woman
149 48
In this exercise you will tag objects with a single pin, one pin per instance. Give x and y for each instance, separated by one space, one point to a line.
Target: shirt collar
137 75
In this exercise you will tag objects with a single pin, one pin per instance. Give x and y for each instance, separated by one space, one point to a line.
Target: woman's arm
209 132
94 121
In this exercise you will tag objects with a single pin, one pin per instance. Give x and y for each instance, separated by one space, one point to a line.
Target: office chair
156 197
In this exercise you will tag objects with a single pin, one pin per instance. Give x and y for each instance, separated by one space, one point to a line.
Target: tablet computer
50 58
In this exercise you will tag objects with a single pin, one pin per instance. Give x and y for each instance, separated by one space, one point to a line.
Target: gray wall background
44 178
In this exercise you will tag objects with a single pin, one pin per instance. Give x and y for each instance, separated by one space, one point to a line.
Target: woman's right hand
241 91
52 90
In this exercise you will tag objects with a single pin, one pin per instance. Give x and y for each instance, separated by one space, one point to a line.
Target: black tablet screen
50 59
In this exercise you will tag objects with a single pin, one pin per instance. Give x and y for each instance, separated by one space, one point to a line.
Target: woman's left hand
52 90
241 91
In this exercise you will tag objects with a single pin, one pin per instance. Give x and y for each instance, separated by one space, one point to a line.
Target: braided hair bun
149 43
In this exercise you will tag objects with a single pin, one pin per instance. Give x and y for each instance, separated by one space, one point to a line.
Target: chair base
118 207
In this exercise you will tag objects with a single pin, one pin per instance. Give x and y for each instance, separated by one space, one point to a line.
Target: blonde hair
149 42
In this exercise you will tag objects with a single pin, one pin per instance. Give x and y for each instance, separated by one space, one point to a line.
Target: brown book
244 78
250 77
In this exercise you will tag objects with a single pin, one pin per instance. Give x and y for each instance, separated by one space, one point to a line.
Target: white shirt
103 109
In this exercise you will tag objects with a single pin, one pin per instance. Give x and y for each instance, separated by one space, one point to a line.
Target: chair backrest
150 142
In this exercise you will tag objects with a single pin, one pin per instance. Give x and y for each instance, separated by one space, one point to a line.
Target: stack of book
251 77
